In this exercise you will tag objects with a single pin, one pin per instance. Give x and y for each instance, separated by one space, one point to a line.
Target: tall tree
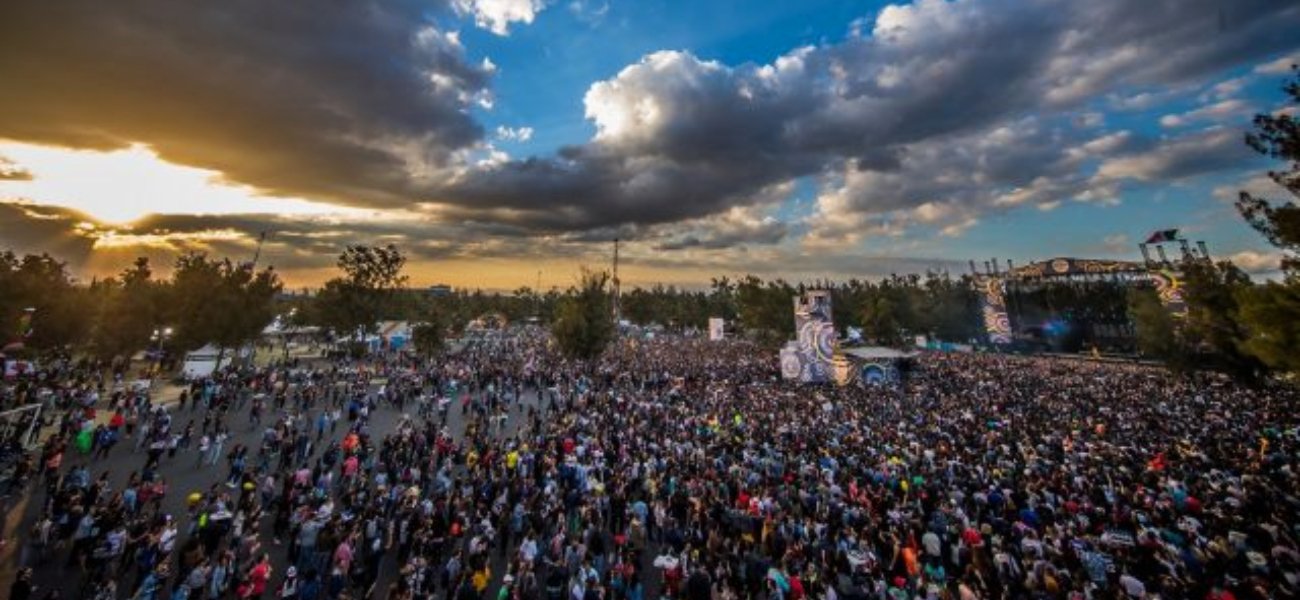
880 320
1270 314
584 323
1277 136
1157 333
61 314
427 336
366 293
129 312
220 302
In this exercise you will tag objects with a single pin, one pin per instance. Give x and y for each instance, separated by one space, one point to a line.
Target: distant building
439 290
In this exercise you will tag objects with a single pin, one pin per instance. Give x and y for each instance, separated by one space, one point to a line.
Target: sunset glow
120 186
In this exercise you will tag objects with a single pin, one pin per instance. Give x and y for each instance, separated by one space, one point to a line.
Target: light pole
159 339
284 331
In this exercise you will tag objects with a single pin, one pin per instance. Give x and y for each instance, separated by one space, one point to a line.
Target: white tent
202 362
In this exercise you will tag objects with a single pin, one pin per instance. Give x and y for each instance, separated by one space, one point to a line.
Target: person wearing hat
289 587
507 584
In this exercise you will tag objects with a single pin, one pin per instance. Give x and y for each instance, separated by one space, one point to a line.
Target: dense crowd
675 467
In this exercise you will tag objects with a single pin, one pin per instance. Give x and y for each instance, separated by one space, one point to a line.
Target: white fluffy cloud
497 15
514 134
1257 263
1218 111
1279 66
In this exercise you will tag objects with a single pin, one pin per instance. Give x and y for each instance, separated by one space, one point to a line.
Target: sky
504 142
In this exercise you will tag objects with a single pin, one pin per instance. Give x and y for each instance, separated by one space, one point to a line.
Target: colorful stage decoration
1169 286
809 358
993 305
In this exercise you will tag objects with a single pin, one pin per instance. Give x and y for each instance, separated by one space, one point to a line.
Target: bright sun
121 186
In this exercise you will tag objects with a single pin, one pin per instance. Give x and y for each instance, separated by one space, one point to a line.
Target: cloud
1118 243
1279 66
1218 111
356 105
1258 185
591 12
679 137
927 117
740 226
514 134
1257 263
497 15
1178 158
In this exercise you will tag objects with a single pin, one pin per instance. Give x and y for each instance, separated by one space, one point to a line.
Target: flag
1163 235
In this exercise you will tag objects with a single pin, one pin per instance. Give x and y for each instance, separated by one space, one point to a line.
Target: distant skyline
491 139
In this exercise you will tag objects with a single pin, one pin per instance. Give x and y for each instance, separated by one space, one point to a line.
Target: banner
715 329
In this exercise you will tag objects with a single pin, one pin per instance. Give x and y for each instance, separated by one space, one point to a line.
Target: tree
129 312
427 336
766 308
1270 315
1210 335
584 323
1277 136
1157 333
61 314
353 305
880 320
220 302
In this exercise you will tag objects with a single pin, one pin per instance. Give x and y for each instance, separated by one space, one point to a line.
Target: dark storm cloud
340 100
43 229
680 137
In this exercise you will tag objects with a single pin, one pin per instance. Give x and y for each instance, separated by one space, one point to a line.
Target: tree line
205 300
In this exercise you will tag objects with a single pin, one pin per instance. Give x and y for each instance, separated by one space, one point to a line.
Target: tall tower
617 310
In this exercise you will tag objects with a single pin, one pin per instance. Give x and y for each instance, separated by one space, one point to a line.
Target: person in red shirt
260 575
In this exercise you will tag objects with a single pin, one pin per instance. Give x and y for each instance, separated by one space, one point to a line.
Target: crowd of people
671 467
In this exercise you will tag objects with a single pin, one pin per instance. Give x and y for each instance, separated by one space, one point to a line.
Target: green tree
1277 136
220 302
427 337
62 314
880 320
129 312
766 308
1270 314
584 323
1157 333
366 293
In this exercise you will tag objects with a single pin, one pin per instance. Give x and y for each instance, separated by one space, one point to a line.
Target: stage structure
810 357
1076 302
